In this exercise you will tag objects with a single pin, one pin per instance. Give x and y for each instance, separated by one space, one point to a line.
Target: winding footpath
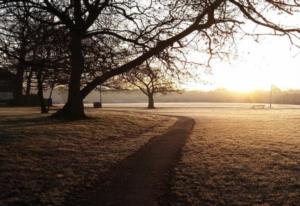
143 178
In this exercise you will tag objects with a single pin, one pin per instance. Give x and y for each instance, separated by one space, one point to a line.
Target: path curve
142 178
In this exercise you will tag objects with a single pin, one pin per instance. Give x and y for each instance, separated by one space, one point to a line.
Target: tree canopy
127 33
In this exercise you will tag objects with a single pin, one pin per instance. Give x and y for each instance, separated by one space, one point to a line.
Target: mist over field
219 95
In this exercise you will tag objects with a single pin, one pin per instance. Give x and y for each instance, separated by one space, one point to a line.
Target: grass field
234 156
240 157
44 160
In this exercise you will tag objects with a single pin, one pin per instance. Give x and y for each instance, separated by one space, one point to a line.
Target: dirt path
142 179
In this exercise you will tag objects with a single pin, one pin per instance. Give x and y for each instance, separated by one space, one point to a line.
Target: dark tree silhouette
15 46
150 80
145 29
32 49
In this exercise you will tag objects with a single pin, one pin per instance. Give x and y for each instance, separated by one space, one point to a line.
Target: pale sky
258 65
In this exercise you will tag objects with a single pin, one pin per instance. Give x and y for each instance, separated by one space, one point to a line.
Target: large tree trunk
150 101
74 108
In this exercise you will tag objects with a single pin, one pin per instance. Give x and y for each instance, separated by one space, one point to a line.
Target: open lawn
234 156
239 157
43 160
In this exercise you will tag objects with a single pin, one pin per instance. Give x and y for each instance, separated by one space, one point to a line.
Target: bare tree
147 28
15 46
149 80
33 49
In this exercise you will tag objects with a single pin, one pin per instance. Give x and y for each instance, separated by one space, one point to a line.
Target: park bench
258 106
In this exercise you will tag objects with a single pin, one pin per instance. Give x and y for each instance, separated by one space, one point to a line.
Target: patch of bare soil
43 160
142 178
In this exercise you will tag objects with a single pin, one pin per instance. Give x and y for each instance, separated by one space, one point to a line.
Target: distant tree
145 29
150 80
48 63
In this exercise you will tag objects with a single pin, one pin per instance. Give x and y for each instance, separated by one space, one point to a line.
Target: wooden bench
258 106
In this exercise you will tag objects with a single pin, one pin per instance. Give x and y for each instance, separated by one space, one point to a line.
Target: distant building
7 80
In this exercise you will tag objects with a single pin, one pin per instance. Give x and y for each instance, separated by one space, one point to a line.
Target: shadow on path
142 178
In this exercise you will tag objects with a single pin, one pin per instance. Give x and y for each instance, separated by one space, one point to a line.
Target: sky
257 65
271 61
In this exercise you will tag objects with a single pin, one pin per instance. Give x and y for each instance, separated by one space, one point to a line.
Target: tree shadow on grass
11 122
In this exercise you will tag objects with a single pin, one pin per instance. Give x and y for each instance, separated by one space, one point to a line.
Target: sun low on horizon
258 66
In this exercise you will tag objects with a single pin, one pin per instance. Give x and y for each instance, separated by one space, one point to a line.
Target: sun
243 77
238 80
257 66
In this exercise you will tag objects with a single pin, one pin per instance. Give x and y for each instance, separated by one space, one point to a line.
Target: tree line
86 43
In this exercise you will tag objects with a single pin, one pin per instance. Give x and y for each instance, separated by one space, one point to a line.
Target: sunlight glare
272 61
